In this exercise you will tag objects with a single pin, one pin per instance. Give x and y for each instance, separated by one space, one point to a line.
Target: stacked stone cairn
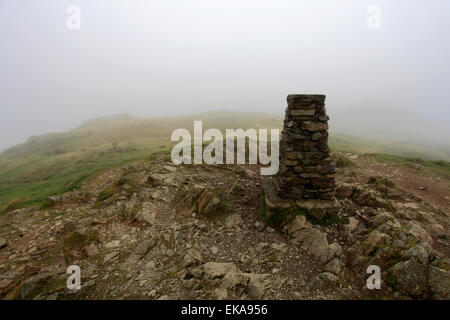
305 169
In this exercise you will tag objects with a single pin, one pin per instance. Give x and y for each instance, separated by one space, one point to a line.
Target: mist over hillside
389 84
123 128
392 125
378 125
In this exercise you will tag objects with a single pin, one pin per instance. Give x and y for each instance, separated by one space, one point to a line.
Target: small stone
148 213
214 250
334 266
112 244
344 191
110 256
314 126
216 270
92 250
439 282
259 226
170 168
234 221
418 252
220 294
352 225
297 113
192 258
316 136
3 243
397 243
69 227
279 247
297 296
52 201
4 283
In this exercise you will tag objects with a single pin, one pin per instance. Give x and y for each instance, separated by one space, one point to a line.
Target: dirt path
419 181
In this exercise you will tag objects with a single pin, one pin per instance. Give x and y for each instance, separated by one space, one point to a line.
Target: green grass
31 179
438 166
359 146
342 162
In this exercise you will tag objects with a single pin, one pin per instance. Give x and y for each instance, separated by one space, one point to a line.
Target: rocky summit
151 230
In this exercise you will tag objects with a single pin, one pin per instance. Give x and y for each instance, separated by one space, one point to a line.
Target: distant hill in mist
56 162
392 127
126 128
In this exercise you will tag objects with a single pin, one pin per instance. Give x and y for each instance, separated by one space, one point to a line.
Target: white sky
167 57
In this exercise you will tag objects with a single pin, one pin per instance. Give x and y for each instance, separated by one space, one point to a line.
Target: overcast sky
167 57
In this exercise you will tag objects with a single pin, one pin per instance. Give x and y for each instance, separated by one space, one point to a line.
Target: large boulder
439 282
147 213
344 191
362 253
320 209
52 201
409 278
34 285
368 198
192 258
142 249
217 270
229 282
297 224
3 243
313 241
192 197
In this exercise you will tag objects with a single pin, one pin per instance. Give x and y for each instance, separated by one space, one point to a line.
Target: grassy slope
438 166
359 145
53 163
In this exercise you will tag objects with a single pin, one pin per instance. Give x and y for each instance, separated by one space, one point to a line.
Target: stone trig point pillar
305 168
306 174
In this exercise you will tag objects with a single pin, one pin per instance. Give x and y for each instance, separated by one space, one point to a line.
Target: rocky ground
150 230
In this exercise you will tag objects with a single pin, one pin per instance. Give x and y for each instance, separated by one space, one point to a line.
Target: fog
166 57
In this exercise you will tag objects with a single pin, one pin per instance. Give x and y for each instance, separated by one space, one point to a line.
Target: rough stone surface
234 221
3 243
192 257
320 209
305 171
214 270
439 282
148 212
411 277
92 250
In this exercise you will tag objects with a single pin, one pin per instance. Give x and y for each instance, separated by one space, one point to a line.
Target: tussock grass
441 167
